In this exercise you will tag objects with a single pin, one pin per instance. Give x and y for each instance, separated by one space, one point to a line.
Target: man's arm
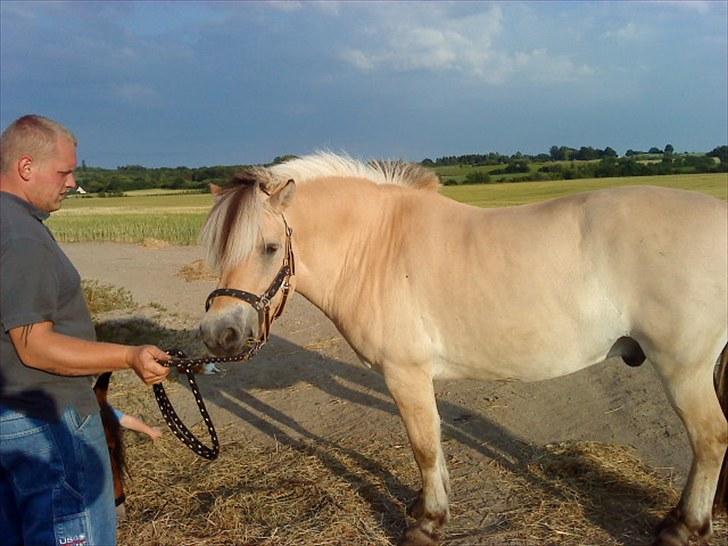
40 346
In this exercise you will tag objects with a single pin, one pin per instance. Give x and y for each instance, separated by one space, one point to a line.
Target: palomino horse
423 287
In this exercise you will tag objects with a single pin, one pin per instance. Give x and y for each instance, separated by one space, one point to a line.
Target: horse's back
559 282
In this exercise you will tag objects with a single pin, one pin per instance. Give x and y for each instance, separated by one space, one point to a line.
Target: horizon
434 159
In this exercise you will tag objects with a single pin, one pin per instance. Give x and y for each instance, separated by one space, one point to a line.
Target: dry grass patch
150 242
197 271
102 298
283 496
322 495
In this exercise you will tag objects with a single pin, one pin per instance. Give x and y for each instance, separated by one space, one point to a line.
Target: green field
177 218
506 194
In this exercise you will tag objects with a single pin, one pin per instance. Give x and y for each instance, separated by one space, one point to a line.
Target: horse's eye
272 248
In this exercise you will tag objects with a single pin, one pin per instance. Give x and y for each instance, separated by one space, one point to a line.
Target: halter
187 365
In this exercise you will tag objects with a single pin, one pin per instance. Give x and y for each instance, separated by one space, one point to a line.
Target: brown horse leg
692 395
112 431
720 504
414 395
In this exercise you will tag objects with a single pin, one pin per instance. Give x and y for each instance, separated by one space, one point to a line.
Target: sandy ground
308 384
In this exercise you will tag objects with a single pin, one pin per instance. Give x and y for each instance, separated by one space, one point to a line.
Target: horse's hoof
674 531
419 537
673 536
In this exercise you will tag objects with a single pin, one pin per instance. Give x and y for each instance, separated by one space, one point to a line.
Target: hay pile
250 496
288 495
196 271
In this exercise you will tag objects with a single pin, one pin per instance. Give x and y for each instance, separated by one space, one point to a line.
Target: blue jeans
56 486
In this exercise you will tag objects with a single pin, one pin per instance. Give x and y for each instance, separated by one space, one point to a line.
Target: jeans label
76 540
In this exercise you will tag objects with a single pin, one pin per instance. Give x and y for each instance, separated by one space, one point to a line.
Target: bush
478 177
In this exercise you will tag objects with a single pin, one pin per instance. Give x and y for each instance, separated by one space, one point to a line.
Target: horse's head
249 243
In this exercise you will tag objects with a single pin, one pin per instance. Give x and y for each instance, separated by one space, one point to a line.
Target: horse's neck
332 224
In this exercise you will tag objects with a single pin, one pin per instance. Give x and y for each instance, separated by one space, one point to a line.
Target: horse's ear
280 200
215 190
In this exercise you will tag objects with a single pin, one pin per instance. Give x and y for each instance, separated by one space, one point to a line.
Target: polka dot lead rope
175 424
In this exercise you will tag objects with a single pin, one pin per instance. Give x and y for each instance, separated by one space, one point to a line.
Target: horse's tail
720 504
112 431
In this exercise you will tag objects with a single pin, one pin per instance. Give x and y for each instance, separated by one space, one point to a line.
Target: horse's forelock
231 228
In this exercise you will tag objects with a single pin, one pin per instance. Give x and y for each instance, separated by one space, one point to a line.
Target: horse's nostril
229 336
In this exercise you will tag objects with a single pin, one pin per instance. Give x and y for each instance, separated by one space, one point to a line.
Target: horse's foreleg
692 395
413 392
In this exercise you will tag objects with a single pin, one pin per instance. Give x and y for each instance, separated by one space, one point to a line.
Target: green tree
477 177
721 152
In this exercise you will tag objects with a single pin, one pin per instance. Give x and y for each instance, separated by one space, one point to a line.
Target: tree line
561 162
556 153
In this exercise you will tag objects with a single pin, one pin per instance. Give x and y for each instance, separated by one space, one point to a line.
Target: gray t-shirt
38 283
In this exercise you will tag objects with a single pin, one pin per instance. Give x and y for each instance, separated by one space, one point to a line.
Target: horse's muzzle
226 333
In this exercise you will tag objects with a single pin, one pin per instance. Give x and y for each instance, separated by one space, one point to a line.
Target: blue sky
220 83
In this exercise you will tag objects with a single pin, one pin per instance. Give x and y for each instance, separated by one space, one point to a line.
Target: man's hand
143 360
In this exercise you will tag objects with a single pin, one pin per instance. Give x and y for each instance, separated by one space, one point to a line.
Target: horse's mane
326 164
232 227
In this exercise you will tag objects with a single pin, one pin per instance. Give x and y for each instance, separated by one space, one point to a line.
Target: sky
228 83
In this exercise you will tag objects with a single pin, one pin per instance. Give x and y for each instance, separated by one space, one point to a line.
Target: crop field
173 217
178 217
507 194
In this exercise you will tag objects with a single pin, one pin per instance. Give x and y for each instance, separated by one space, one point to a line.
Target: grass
172 217
179 229
177 218
507 194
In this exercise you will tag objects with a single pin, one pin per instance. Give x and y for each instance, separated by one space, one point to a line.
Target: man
55 476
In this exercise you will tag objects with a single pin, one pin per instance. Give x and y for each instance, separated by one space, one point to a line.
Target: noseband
187 365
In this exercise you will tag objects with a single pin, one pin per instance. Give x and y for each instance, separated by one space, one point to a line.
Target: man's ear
25 167
281 199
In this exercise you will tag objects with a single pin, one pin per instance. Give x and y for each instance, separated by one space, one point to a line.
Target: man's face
53 177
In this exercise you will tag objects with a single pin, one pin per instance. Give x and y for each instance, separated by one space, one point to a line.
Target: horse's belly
528 354
535 369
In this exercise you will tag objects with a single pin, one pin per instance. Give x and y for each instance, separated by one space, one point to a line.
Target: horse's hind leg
691 392
414 395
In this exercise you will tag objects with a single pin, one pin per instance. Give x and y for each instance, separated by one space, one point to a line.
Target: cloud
700 6
429 38
401 43
544 67
625 33
284 5
136 93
